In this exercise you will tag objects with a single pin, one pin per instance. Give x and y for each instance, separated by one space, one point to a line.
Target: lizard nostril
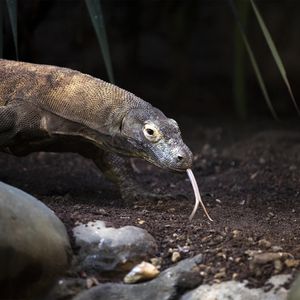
179 158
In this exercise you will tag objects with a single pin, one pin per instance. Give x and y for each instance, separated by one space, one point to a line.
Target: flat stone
34 245
238 291
168 285
107 249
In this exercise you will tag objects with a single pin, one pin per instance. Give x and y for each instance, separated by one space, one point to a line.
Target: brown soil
249 177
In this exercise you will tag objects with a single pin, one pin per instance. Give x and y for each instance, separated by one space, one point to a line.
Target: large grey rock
66 289
104 249
230 290
34 245
168 285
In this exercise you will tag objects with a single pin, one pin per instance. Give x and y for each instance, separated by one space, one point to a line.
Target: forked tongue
198 199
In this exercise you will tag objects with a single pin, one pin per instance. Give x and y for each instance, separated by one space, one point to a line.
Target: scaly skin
48 108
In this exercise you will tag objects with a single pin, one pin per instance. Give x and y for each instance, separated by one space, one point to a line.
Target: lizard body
48 108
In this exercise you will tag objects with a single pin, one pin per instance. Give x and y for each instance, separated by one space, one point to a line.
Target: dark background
178 55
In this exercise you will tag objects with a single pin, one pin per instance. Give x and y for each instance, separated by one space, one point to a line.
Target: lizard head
150 135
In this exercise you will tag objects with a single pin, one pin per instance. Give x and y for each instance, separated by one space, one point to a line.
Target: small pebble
250 240
264 243
252 252
206 238
292 263
278 266
156 261
277 248
184 249
236 233
91 281
142 272
220 274
175 257
221 254
262 160
252 176
237 259
102 211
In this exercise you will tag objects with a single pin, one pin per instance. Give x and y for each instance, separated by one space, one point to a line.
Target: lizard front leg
118 169
7 124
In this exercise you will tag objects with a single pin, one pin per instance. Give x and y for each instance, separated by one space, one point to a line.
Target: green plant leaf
12 12
274 52
253 60
95 11
1 29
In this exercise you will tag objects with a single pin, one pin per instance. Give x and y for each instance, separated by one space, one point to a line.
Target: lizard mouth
164 165
177 161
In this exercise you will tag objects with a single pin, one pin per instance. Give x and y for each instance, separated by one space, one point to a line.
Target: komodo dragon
48 108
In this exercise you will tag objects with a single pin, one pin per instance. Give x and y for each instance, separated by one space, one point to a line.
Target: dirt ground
249 177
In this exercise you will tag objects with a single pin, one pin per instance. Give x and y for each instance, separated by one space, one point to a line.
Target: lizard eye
151 133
